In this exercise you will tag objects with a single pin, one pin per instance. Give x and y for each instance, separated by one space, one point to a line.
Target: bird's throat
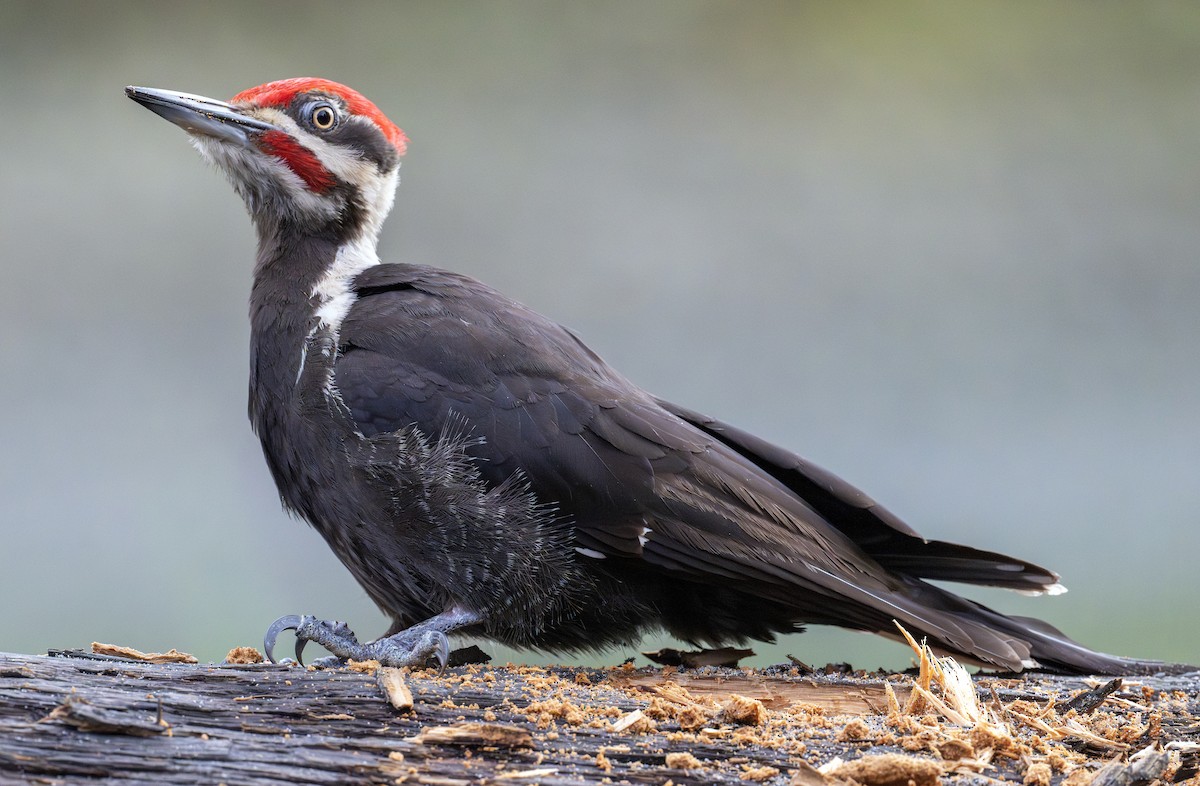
299 286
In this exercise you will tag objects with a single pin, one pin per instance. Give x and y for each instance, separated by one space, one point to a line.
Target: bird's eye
323 117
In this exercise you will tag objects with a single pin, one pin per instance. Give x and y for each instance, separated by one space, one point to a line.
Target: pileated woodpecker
479 469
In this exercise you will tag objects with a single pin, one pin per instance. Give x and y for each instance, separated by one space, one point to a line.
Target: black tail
968 629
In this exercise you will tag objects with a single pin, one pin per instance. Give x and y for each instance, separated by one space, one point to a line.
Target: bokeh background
947 250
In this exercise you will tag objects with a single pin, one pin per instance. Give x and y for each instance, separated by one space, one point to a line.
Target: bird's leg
410 647
414 646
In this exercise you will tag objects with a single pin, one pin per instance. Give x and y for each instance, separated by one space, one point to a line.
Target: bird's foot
411 647
333 635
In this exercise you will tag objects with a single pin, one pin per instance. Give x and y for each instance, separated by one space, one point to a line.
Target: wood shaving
170 656
477 734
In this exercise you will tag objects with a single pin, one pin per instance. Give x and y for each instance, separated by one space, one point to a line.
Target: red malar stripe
299 159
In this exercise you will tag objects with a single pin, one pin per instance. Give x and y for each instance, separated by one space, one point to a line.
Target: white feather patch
334 293
1049 589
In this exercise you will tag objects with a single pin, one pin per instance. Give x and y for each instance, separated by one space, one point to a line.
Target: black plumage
478 468
680 521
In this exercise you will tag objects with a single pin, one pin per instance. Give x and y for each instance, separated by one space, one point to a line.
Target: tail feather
1055 651
942 561
969 629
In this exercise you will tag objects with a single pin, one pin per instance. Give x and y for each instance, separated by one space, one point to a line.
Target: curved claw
286 622
442 652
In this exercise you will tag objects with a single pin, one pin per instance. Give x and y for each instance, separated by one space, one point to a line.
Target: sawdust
1037 774
243 656
856 729
743 710
888 769
758 774
683 761
545 712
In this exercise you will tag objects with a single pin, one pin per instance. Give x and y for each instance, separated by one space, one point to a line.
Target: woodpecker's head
306 155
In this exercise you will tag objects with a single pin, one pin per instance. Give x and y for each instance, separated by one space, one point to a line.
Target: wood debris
476 734
758 774
170 656
743 711
695 659
82 714
683 761
887 769
712 726
634 722
391 682
242 656
1088 700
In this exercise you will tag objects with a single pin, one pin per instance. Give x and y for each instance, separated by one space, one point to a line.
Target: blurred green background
947 250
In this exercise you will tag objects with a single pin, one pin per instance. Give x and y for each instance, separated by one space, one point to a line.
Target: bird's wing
871 526
425 346
641 484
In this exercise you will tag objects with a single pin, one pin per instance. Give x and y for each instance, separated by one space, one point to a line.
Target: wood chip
542 772
1088 700
171 656
1037 774
889 769
683 761
241 656
856 729
634 722
954 749
758 774
476 734
804 774
743 710
392 682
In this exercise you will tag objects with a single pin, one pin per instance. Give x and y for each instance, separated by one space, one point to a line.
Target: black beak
199 115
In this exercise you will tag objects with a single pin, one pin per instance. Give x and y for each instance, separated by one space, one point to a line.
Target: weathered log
115 721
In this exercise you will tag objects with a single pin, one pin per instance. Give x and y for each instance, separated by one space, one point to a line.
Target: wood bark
116 721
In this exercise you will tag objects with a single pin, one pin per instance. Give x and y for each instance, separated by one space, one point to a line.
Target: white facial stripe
232 159
378 189
333 294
